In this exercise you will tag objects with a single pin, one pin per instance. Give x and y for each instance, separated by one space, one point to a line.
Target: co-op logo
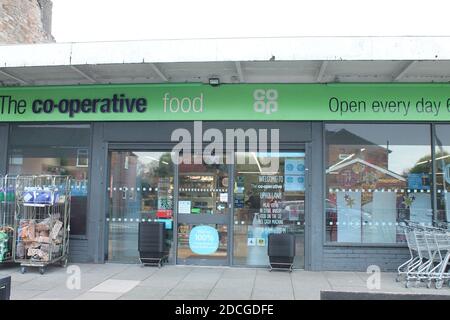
266 101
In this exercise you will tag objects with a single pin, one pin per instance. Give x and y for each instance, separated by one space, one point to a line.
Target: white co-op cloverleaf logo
265 101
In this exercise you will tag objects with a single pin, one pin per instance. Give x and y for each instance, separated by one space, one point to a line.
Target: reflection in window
442 157
55 150
378 175
140 189
268 201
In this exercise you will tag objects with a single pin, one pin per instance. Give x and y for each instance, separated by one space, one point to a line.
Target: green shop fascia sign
159 102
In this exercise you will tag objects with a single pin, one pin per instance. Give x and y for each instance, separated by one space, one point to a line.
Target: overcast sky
95 20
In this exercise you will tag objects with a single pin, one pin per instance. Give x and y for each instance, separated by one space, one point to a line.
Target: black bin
281 251
5 288
152 245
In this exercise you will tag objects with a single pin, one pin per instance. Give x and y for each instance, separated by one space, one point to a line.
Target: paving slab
42 283
346 279
135 273
115 286
89 281
271 294
160 282
234 283
172 297
236 293
18 277
304 294
187 285
99 296
59 293
189 292
238 273
19 294
202 277
107 269
277 287
145 293
173 270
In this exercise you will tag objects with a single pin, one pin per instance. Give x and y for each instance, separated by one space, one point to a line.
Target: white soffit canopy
243 60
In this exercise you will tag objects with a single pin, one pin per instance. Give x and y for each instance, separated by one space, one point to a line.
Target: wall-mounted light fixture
214 82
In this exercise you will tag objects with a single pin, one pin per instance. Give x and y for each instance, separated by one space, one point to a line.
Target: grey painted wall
97 195
78 251
157 132
316 223
4 131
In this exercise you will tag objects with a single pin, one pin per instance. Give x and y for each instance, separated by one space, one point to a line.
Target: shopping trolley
439 246
42 221
7 207
429 249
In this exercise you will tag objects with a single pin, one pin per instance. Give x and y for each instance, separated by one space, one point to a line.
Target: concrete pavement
124 281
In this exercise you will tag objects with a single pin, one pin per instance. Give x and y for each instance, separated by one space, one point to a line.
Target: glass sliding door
269 197
141 188
196 199
203 212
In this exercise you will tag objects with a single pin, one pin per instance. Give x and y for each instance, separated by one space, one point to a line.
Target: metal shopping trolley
439 244
7 207
42 221
429 255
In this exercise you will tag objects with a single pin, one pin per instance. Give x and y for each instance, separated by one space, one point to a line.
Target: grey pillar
317 176
4 131
97 195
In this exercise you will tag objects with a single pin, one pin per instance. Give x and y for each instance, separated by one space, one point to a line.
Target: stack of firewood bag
39 240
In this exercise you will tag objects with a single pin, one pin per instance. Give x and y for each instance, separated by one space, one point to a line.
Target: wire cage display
7 208
42 221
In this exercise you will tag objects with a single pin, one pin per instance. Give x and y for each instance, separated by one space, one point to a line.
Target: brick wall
359 258
25 21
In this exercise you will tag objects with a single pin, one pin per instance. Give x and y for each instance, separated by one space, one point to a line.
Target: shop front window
377 176
268 200
442 158
55 150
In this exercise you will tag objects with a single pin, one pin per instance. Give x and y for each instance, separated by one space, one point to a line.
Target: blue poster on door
294 175
204 240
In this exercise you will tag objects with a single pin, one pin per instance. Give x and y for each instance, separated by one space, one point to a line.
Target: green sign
152 102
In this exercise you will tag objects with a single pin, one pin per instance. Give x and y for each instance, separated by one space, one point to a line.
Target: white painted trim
235 49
